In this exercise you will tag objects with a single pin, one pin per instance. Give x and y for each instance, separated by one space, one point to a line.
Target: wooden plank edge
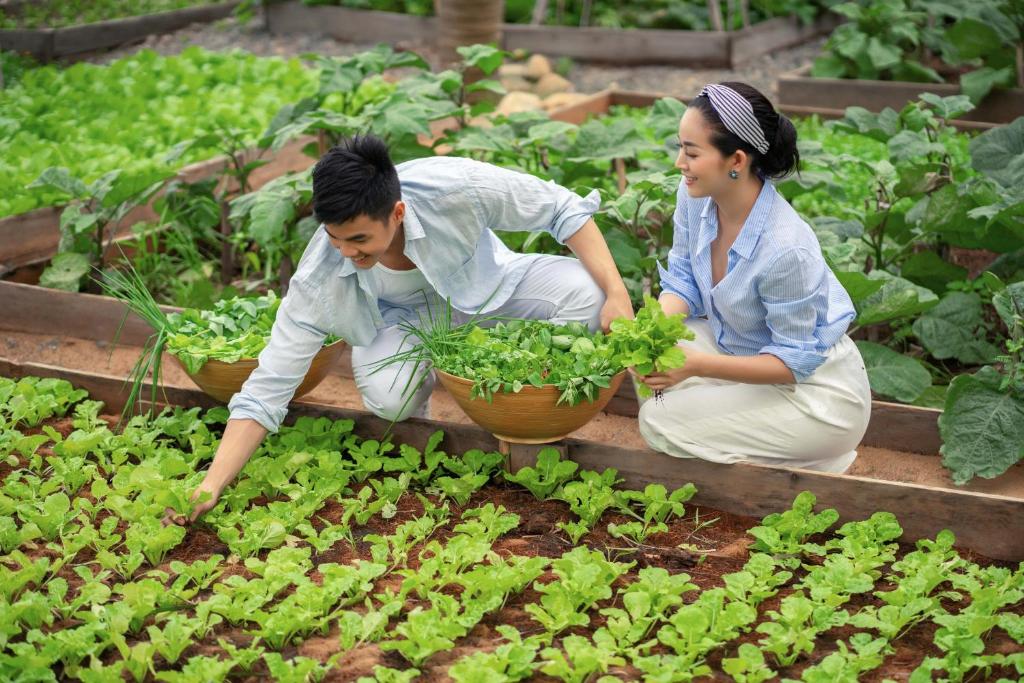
983 522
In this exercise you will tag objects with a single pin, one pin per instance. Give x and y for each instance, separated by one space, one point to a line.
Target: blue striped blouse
778 295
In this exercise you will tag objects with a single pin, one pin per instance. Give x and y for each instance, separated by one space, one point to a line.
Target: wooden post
1020 66
715 14
520 455
588 5
745 12
227 262
540 12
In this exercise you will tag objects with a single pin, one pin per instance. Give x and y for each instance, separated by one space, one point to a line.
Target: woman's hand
660 381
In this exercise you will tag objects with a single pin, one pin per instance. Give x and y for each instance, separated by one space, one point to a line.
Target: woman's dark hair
782 157
355 178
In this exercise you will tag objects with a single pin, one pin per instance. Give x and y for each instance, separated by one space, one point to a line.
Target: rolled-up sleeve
678 279
295 339
509 200
792 290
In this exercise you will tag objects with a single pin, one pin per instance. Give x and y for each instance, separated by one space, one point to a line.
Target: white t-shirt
403 288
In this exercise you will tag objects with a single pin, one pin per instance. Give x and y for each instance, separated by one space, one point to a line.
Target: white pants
815 424
555 288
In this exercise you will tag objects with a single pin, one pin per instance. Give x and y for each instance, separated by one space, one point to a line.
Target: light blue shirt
778 295
452 207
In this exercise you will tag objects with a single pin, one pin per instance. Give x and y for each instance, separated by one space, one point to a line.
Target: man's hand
615 307
200 507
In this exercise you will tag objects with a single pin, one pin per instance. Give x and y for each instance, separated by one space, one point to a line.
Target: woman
772 377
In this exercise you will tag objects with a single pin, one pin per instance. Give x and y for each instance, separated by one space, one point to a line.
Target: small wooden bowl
529 416
223 380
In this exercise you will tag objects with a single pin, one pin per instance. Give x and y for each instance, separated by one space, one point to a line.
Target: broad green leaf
487 58
892 374
999 154
978 84
897 298
930 270
982 427
949 107
270 216
60 178
973 39
66 271
932 397
1009 303
951 330
858 285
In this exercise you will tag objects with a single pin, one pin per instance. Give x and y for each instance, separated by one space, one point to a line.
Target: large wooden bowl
530 416
222 380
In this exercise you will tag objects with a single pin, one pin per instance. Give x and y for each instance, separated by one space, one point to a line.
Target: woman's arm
760 369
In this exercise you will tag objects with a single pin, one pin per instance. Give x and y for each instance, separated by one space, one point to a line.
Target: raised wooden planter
47 44
619 46
989 524
800 94
599 103
31 238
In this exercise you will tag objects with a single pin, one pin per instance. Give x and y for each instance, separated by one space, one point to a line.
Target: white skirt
815 424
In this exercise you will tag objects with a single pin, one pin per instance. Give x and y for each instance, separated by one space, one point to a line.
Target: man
395 243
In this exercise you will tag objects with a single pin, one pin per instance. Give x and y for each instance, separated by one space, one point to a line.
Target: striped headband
737 115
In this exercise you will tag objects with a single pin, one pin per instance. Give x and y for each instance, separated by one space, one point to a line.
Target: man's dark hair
355 178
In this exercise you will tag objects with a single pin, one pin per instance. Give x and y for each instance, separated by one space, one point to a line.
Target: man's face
363 239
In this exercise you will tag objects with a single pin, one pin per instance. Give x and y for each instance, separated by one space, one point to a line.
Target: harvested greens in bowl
235 329
508 355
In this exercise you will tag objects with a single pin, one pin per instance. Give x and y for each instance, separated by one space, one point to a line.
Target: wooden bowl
222 380
530 416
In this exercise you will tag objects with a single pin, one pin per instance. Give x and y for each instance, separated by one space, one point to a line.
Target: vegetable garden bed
619 46
803 95
48 44
746 489
386 581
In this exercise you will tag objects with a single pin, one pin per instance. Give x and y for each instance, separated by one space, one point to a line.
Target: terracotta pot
223 380
530 416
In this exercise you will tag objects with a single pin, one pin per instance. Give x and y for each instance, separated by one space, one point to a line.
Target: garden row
335 551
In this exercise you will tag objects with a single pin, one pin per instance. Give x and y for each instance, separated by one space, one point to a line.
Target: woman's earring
734 174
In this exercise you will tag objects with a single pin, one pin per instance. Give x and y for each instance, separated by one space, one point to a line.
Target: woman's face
364 240
705 170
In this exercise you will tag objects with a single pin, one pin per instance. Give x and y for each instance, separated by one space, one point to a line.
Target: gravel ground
230 34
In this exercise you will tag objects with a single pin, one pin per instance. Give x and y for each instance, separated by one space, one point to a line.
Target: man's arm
241 439
590 248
